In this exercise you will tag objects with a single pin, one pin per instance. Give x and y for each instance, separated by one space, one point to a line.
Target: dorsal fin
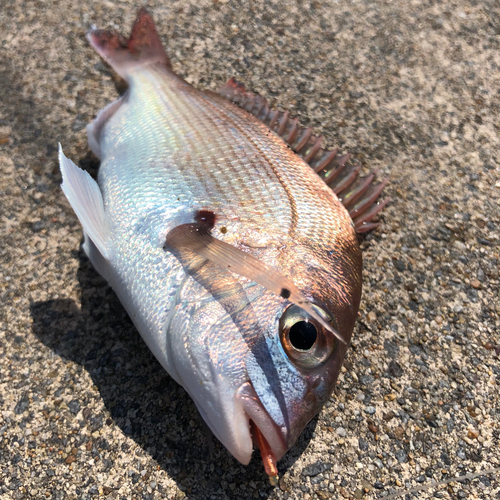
358 194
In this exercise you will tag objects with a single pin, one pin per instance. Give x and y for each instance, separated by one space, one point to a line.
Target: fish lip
256 411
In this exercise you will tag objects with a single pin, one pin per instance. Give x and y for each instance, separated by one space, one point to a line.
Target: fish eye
303 335
305 341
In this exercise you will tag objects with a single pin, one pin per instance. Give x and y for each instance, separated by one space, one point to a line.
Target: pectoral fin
85 197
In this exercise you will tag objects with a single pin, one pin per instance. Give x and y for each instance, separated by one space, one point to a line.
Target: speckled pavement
410 88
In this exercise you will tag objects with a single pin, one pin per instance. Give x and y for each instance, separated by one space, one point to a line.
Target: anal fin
358 194
84 195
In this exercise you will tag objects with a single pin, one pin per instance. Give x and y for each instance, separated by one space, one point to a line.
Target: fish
230 236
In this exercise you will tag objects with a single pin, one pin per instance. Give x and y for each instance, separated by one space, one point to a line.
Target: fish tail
142 47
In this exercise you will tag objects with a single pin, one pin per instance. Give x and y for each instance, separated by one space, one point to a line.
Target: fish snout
266 434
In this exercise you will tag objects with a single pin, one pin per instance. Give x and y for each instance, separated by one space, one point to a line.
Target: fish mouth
265 433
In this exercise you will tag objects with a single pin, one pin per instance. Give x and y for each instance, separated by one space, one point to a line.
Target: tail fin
143 46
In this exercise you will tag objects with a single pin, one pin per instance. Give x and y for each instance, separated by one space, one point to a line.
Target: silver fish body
168 152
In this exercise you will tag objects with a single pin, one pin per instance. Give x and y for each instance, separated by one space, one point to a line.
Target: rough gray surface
409 87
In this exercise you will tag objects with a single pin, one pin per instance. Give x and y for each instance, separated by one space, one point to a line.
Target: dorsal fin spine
275 115
264 112
311 152
283 120
347 180
303 139
349 198
293 131
372 193
324 160
334 173
369 214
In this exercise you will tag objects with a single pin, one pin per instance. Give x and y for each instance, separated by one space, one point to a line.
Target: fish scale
238 265
198 178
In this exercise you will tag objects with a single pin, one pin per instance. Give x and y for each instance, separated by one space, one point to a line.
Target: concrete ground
410 88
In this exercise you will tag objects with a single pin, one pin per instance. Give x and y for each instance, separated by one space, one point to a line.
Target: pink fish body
238 264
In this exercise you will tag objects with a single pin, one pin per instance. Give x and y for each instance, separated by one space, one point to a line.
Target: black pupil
303 335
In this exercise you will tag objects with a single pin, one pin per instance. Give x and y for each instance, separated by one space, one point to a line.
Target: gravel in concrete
410 88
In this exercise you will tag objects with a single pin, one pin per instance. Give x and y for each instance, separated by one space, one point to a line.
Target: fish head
292 371
258 366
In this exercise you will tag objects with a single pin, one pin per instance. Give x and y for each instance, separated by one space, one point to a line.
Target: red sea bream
229 235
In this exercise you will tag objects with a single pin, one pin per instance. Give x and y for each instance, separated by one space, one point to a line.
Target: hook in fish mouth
265 433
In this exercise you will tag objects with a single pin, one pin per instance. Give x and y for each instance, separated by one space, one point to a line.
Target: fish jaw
229 423
232 424
257 413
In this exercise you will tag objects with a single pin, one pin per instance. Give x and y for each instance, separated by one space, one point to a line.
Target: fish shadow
140 398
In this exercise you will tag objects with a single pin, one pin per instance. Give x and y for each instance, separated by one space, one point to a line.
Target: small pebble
363 445
401 456
472 434
341 432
